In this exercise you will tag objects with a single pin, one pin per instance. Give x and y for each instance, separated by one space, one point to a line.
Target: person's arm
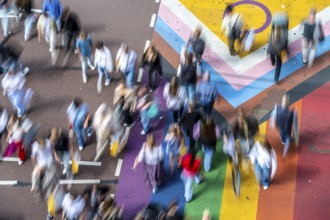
97 57
91 43
88 116
117 63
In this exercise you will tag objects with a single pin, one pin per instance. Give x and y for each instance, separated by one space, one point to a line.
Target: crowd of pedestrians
189 95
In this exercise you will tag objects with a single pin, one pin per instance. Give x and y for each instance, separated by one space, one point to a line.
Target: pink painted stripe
237 81
184 32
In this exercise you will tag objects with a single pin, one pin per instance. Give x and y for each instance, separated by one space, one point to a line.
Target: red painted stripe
313 179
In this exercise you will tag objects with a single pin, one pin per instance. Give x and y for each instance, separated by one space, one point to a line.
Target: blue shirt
81 114
85 46
54 8
206 92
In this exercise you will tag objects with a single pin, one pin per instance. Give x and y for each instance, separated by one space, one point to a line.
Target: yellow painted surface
210 13
244 207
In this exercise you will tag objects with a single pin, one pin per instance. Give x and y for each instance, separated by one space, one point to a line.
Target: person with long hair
151 64
152 156
191 166
176 98
209 133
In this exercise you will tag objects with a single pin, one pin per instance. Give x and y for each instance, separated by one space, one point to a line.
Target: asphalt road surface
54 88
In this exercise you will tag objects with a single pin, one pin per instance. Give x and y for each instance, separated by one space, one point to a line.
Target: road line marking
87 163
8 182
146 45
118 168
157 1
85 181
153 20
11 159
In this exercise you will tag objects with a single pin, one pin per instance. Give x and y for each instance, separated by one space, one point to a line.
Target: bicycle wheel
236 179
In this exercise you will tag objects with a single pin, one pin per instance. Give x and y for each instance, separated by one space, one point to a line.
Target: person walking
312 34
104 64
232 25
3 124
30 17
197 44
173 141
190 170
7 8
278 49
81 121
53 9
206 93
85 49
208 137
283 118
176 98
71 28
125 63
150 62
152 156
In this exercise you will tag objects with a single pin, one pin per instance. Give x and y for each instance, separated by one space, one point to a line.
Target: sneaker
85 80
143 132
20 162
265 187
25 71
75 51
92 67
89 133
81 148
107 82
154 190
64 171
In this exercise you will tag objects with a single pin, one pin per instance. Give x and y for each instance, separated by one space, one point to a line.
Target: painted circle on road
260 5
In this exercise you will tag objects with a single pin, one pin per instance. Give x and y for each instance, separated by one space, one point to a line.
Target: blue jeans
20 99
188 185
208 153
79 130
85 60
191 90
145 121
262 174
28 24
129 78
102 71
286 139
4 12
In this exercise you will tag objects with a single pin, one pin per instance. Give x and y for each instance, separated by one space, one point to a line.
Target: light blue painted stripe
234 97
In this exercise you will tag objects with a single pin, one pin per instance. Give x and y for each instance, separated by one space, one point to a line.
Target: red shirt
191 170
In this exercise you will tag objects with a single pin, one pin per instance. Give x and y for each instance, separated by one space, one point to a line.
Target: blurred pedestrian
125 63
283 118
149 110
73 206
62 149
312 34
71 28
81 121
103 62
232 25
188 120
15 139
206 93
151 64
197 44
26 6
188 77
3 124
43 28
53 9
152 156
190 170
176 98
209 134
85 49
173 141
245 129
7 9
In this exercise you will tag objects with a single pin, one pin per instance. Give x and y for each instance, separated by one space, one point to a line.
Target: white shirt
103 58
126 60
175 102
151 157
73 208
260 154
3 120
71 112
13 82
44 156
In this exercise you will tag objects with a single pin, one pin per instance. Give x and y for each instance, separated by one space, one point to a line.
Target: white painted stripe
11 159
157 1
112 195
146 45
240 65
35 10
153 20
118 168
8 182
87 163
85 181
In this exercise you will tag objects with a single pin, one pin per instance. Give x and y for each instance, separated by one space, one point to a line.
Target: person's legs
171 162
191 93
287 141
265 177
28 24
66 161
129 78
21 153
278 68
90 62
5 21
312 54
175 115
145 121
208 153
84 68
80 132
188 187
305 43
231 45
152 79
272 58
99 81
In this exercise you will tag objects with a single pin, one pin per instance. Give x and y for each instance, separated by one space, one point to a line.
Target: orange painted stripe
278 201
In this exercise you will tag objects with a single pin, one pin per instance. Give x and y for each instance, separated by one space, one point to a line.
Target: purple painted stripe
132 191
